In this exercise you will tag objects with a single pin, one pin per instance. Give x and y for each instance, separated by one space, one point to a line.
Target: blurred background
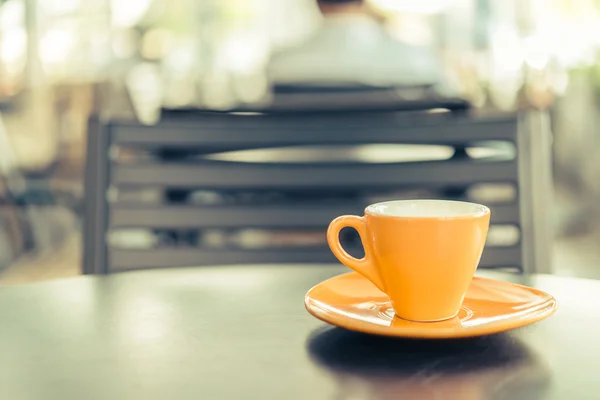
62 61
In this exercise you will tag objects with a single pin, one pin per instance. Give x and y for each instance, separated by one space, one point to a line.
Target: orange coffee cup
421 253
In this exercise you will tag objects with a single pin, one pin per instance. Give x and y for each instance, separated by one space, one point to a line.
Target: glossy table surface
243 333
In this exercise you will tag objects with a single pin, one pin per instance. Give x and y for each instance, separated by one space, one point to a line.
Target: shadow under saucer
496 366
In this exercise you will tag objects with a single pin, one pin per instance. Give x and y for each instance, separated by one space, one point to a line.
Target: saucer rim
532 315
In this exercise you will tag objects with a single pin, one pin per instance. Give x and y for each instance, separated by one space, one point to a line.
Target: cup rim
479 210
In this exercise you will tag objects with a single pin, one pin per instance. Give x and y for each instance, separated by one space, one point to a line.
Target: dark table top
242 332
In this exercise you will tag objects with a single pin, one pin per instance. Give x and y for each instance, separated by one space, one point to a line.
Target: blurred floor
576 251
62 262
578 256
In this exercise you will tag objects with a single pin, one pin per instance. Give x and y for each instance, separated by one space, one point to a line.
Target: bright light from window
536 52
59 7
12 14
56 45
412 6
243 53
507 54
12 47
126 13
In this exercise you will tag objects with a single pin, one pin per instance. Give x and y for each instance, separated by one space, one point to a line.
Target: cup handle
363 266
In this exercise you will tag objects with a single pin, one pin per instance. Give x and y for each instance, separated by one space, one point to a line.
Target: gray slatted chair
140 180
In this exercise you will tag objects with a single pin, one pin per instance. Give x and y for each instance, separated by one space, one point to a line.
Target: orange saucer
490 306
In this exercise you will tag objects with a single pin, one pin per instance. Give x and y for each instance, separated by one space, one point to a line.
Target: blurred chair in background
211 202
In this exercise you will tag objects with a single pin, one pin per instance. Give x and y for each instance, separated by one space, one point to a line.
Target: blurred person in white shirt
353 48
